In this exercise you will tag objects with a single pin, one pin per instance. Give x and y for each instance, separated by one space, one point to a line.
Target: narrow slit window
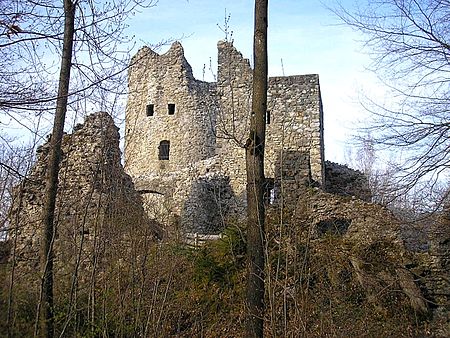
171 108
269 191
150 109
268 117
164 148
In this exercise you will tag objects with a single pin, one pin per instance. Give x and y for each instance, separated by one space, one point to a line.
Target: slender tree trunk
54 159
255 177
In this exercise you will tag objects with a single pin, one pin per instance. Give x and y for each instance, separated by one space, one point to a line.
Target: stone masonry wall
210 125
295 116
342 180
234 94
194 199
96 206
295 109
160 80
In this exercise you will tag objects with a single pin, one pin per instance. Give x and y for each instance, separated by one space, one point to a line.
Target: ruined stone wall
194 199
342 180
234 93
437 264
160 81
292 179
97 207
370 230
210 125
295 116
294 119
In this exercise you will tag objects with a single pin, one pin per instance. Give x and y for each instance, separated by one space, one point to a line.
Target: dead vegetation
327 284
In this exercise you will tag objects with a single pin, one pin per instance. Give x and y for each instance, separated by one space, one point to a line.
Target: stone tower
184 137
168 124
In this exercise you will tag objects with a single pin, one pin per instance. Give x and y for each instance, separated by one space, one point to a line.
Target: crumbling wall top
231 63
146 57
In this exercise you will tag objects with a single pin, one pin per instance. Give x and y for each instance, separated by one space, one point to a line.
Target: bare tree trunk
54 159
255 177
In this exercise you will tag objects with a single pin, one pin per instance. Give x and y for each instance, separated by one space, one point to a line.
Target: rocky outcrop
372 241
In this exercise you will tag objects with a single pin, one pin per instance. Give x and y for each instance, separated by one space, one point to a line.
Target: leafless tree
409 43
86 37
255 176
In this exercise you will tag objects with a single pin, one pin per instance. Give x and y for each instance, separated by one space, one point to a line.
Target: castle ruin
184 138
184 151
97 207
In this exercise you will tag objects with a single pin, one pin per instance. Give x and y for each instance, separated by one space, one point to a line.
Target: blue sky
305 35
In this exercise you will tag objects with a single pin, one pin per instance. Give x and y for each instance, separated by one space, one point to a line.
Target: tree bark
255 177
54 159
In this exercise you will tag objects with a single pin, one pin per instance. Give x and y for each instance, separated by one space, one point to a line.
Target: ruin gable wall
294 118
234 94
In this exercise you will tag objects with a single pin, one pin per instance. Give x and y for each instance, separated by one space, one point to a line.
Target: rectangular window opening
164 148
268 117
150 109
171 108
